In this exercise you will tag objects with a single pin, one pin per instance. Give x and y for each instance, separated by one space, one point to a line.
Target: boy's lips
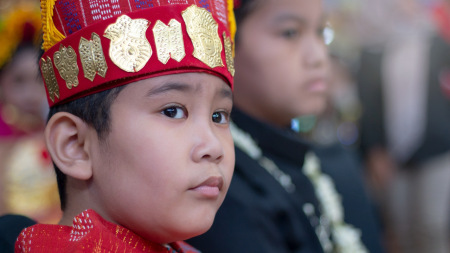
210 188
317 85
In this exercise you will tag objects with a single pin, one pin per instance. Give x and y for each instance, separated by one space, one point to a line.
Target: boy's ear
67 139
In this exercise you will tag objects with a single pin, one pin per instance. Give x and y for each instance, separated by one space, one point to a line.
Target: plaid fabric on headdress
94 45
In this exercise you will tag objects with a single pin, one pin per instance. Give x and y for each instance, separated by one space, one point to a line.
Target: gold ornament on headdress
129 48
169 41
66 63
92 57
203 31
50 79
229 54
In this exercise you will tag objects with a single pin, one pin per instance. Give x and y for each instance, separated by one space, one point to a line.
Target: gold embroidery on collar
169 41
50 79
229 54
66 63
129 48
203 31
92 57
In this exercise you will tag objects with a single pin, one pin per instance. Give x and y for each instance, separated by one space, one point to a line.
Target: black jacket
258 215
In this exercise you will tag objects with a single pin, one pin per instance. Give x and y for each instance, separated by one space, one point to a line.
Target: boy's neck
78 202
67 218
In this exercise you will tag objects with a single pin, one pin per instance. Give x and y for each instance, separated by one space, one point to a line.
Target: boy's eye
19 80
220 117
175 112
289 33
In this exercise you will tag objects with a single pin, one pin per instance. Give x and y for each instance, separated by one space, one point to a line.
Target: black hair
242 11
94 110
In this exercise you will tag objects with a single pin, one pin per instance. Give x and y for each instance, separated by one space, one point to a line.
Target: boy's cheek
229 170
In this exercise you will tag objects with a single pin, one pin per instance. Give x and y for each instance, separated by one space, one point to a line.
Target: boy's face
165 166
20 85
281 61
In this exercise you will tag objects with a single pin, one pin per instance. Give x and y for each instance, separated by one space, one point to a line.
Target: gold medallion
129 48
229 53
203 31
50 79
66 63
169 41
92 57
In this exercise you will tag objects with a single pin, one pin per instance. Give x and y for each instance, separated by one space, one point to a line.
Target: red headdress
95 45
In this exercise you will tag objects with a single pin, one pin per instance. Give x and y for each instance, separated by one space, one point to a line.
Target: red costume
90 233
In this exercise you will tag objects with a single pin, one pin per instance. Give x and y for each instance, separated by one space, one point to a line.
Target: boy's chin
201 231
201 228
185 231
314 108
183 235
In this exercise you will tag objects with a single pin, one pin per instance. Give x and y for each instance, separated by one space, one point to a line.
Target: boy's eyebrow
294 17
226 93
168 87
290 17
182 87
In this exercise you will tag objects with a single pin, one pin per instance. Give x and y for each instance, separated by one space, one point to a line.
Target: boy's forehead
186 89
132 43
184 83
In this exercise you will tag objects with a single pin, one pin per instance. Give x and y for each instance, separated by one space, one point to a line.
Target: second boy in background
286 195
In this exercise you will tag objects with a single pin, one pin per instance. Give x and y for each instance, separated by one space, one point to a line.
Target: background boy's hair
242 9
94 110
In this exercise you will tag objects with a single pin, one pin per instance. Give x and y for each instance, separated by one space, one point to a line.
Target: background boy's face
21 86
281 61
165 167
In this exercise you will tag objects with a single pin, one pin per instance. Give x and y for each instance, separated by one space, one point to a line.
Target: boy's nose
207 146
316 53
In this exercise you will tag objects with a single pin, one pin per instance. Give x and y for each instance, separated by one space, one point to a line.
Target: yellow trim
51 35
231 21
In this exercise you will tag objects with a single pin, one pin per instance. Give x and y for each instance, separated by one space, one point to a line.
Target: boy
283 198
148 164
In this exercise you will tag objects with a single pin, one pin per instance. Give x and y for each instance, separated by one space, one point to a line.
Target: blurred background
357 26
27 180
389 104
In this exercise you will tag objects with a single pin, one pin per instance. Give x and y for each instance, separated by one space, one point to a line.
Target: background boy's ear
67 139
